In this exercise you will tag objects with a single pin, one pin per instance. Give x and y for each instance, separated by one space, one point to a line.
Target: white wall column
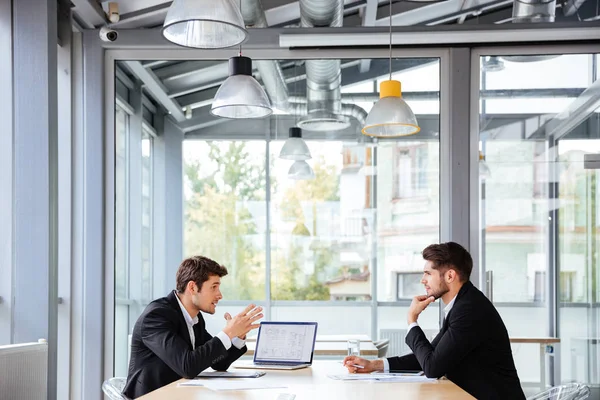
173 158
35 176
6 172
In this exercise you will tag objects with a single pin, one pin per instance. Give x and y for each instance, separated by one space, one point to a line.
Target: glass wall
225 211
305 247
134 198
537 208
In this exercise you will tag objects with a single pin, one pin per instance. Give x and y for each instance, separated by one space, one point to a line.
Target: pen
353 365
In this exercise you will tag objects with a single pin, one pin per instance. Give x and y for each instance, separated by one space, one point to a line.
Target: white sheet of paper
380 378
193 382
218 385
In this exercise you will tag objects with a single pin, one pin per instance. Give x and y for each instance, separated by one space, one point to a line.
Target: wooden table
313 384
367 349
547 346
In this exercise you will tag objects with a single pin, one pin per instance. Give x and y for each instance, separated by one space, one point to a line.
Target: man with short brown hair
472 348
169 339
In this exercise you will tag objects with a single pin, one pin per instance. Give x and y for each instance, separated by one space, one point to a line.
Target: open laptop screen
286 342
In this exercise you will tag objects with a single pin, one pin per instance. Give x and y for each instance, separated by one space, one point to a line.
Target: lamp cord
240 54
390 40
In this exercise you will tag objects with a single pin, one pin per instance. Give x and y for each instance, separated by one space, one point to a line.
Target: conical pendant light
295 148
205 24
391 116
301 170
484 169
241 96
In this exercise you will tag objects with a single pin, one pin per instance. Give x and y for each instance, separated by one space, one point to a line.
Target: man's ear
190 285
451 276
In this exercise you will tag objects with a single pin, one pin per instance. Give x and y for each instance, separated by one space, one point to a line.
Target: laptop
283 345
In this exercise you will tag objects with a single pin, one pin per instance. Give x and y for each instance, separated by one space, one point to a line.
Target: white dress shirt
190 322
386 364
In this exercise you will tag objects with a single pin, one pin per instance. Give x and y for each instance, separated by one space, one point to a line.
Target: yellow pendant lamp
391 116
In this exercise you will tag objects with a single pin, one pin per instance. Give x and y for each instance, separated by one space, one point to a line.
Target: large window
134 243
225 211
538 205
315 249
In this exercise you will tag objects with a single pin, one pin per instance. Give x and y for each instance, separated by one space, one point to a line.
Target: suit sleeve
159 334
224 362
409 362
447 349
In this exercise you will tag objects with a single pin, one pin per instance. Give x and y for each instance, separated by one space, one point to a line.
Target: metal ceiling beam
369 17
576 113
439 11
156 89
442 35
89 13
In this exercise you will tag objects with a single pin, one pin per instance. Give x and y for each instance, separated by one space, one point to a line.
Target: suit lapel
199 330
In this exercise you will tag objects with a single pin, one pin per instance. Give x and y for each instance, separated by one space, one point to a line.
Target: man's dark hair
197 269
450 255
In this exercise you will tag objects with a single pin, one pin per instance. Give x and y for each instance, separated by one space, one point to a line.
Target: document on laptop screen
285 342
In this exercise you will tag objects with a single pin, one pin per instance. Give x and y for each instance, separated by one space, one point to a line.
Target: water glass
354 347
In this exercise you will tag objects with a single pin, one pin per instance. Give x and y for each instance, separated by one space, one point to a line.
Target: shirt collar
449 306
188 318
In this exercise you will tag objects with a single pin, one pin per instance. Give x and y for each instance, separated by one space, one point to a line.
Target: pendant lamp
391 116
205 24
301 170
241 96
484 169
295 148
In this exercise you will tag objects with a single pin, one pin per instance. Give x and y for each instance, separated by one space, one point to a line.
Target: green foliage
219 225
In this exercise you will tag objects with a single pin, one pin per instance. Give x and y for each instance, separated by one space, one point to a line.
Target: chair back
113 388
570 391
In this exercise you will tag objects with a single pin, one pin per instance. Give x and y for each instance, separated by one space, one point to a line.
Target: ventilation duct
323 77
532 11
270 71
322 107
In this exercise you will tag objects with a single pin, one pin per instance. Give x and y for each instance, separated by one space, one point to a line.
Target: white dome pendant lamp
300 170
391 116
205 24
241 96
295 147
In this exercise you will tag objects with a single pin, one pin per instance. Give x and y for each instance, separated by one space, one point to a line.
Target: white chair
113 388
570 391
382 347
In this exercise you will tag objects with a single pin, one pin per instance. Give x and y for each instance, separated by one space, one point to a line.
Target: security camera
107 34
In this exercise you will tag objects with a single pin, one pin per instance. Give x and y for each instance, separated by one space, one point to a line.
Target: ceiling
280 13
176 85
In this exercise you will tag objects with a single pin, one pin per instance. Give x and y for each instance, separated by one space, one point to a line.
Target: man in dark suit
169 339
472 348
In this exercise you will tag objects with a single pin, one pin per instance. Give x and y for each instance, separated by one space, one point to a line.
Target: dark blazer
472 349
161 349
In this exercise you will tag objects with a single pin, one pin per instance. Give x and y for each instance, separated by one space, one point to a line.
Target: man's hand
227 318
419 303
243 323
368 366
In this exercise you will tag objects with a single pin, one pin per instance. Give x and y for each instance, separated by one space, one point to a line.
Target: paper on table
239 385
380 378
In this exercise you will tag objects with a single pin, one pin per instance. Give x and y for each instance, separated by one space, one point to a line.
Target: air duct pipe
532 11
323 77
270 71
